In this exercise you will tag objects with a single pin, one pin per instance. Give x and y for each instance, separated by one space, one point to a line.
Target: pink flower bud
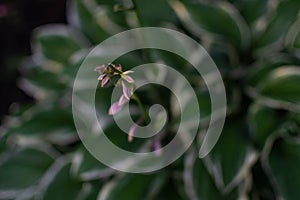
131 133
105 80
127 78
132 129
122 100
156 145
114 108
126 91
100 78
100 69
119 67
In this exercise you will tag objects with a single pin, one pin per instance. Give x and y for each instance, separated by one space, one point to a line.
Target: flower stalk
106 73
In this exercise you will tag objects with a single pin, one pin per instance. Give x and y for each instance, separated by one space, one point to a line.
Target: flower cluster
106 73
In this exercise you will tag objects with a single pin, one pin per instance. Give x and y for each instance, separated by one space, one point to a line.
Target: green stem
137 13
142 107
147 52
148 57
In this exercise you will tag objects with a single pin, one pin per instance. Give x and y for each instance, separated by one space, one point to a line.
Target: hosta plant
255 45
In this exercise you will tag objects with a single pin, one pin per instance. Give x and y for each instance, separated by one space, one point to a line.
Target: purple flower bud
122 100
115 108
105 81
126 91
156 145
132 129
100 69
119 67
127 78
101 77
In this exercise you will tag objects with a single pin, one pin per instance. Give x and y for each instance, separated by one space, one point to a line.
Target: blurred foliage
254 43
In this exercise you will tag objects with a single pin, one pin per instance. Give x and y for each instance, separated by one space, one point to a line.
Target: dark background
17 20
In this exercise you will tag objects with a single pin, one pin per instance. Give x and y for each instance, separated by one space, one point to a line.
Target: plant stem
142 107
148 57
147 52
137 13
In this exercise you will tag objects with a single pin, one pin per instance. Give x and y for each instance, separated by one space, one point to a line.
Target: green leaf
296 118
63 186
93 189
43 85
120 139
198 182
133 187
263 122
283 85
98 21
23 169
293 36
296 43
57 42
38 121
264 66
232 156
46 80
283 18
172 190
86 167
218 19
251 10
3 143
163 12
284 162
263 188
108 2
88 24
204 104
